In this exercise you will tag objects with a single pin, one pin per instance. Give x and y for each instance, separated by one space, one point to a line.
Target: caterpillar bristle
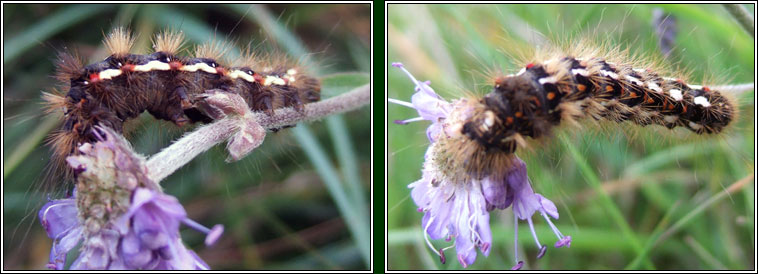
119 42
249 58
54 101
169 41
68 65
213 49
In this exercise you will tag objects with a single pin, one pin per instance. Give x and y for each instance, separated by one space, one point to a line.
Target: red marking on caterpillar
167 85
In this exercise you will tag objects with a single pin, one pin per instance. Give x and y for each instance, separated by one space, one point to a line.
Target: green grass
297 202
630 198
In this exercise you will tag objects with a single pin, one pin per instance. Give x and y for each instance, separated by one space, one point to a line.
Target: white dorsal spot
676 94
582 72
109 73
654 87
611 74
695 86
152 65
240 74
545 80
700 100
633 80
273 80
489 118
199 66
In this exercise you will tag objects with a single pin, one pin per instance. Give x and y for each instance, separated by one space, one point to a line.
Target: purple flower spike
518 265
397 64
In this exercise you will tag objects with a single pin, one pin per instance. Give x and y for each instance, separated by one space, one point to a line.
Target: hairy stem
736 89
171 158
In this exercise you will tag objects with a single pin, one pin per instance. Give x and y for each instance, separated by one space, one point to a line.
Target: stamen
566 241
400 66
518 265
543 249
402 103
534 233
428 242
462 261
515 242
405 122
442 256
562 240
552 226
212 235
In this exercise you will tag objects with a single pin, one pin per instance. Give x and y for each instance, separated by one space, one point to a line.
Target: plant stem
164 163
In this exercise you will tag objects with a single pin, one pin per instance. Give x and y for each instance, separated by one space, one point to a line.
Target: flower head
456 201
122 218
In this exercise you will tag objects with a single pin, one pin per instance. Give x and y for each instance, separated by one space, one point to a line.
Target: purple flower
121 217
457 207
60 220
151 229
428 104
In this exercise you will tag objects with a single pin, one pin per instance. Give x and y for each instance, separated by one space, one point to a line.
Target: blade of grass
292 236
354 219
652 240
608 205
701 252
695 212
48 27
348 160
30 143
742 16
353 212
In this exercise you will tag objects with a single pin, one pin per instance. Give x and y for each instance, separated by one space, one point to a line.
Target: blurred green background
640 199
300 201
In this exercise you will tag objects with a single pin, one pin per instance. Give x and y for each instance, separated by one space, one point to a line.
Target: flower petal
58 216
548 206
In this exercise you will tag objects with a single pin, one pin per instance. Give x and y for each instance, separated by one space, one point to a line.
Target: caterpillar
542 95
167 85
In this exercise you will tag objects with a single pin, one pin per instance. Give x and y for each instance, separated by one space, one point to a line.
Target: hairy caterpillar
167 85
569 86
440 46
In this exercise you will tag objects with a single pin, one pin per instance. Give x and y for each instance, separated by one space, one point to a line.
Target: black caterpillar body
165 84
542 95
